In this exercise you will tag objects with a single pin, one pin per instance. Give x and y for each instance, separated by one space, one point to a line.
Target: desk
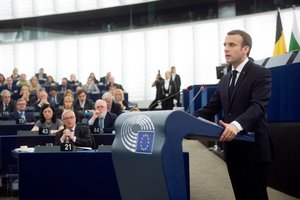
10 142
70 175
13 129
90 176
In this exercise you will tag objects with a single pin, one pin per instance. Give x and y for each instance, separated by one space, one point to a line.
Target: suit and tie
247 105
29 118
42 76
9 108
108 125
12 88
83 136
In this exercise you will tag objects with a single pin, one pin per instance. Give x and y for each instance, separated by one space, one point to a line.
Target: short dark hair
45 106
247 40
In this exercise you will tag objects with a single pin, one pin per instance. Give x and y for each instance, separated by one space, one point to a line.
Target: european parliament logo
137 134
145 142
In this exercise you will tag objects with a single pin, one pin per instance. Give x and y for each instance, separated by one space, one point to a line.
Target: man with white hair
80 135
7 105
102 120
111 105
42 100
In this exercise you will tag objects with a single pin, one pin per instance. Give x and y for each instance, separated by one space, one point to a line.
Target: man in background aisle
167 92
177 82
243 96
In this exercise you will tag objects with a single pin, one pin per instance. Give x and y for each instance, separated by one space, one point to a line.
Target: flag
145 141
295 36
280 47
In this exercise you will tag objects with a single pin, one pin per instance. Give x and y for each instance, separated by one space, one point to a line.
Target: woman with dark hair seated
48 120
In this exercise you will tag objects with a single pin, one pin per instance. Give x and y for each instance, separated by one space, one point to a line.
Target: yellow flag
280 47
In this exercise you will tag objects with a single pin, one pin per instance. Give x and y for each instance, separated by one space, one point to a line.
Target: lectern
147 152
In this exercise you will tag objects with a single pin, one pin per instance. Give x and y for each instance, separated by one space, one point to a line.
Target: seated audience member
80 135
90 86
119 98
102 121
92 75
7 105
34 86
21 113
112 89
105 79
111 105
112 82
50 81
69 93
82 104
23 81
73 80
64 86
10 86
41 75
55 98
2 80
15 75
25 94
42 99
48 120
67 105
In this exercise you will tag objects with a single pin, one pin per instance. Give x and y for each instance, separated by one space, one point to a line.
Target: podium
147 152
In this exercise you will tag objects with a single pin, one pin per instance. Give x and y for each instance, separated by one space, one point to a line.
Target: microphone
192 101
173 95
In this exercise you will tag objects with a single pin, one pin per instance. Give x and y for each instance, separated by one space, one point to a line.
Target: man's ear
246 49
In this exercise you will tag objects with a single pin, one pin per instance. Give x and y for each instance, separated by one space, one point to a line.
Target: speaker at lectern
147 152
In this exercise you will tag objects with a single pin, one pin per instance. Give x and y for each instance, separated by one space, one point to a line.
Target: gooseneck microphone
192 101
173 95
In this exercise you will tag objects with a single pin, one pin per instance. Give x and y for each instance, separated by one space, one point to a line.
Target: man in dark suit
105 79
82 104
26 117
10 86
55 98
167 92
80 135
177 82
102 120
243 95
112 106
41 75
7 105
42 99
64 86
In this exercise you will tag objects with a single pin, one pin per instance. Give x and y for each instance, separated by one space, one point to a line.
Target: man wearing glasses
80 135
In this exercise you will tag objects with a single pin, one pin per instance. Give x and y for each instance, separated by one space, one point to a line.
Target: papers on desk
25 149
83 148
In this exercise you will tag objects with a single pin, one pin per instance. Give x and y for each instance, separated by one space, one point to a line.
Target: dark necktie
6 107
233 79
